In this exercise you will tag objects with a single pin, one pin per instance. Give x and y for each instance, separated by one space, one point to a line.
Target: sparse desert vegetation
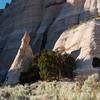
43 81
89 90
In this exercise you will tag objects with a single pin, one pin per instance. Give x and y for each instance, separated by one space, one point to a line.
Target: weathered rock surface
21 62
83 42
45 20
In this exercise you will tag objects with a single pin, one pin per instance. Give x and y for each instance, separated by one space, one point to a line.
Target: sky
3 2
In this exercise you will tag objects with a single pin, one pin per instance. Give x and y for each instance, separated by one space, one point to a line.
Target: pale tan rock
83 42
21 62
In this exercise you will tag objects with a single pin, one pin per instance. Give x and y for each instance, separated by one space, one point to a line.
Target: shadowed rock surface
21 62
45 20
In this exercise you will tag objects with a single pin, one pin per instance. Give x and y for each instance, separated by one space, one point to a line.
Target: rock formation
45 20
83 42
21 62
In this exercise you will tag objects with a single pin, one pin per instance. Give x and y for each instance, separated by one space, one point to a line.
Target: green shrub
68 63
49 65
54 66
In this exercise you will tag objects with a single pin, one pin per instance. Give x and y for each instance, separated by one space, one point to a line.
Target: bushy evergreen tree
50 65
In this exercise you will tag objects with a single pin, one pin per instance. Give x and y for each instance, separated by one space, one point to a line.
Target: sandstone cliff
45 20
83 43
21 62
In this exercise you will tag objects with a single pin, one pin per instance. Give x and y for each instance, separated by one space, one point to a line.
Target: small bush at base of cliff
49 65
68 65
54 66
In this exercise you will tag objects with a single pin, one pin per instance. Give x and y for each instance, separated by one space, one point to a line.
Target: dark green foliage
53 65
49 65
68 65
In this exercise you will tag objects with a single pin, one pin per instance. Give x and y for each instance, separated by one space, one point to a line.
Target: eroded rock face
45 20
21 62
82 42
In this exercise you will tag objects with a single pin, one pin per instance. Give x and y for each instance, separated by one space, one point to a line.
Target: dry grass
90 90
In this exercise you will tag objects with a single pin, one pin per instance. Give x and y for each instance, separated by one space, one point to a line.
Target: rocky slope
45 20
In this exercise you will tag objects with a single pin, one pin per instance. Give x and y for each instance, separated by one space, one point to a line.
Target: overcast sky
3 2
